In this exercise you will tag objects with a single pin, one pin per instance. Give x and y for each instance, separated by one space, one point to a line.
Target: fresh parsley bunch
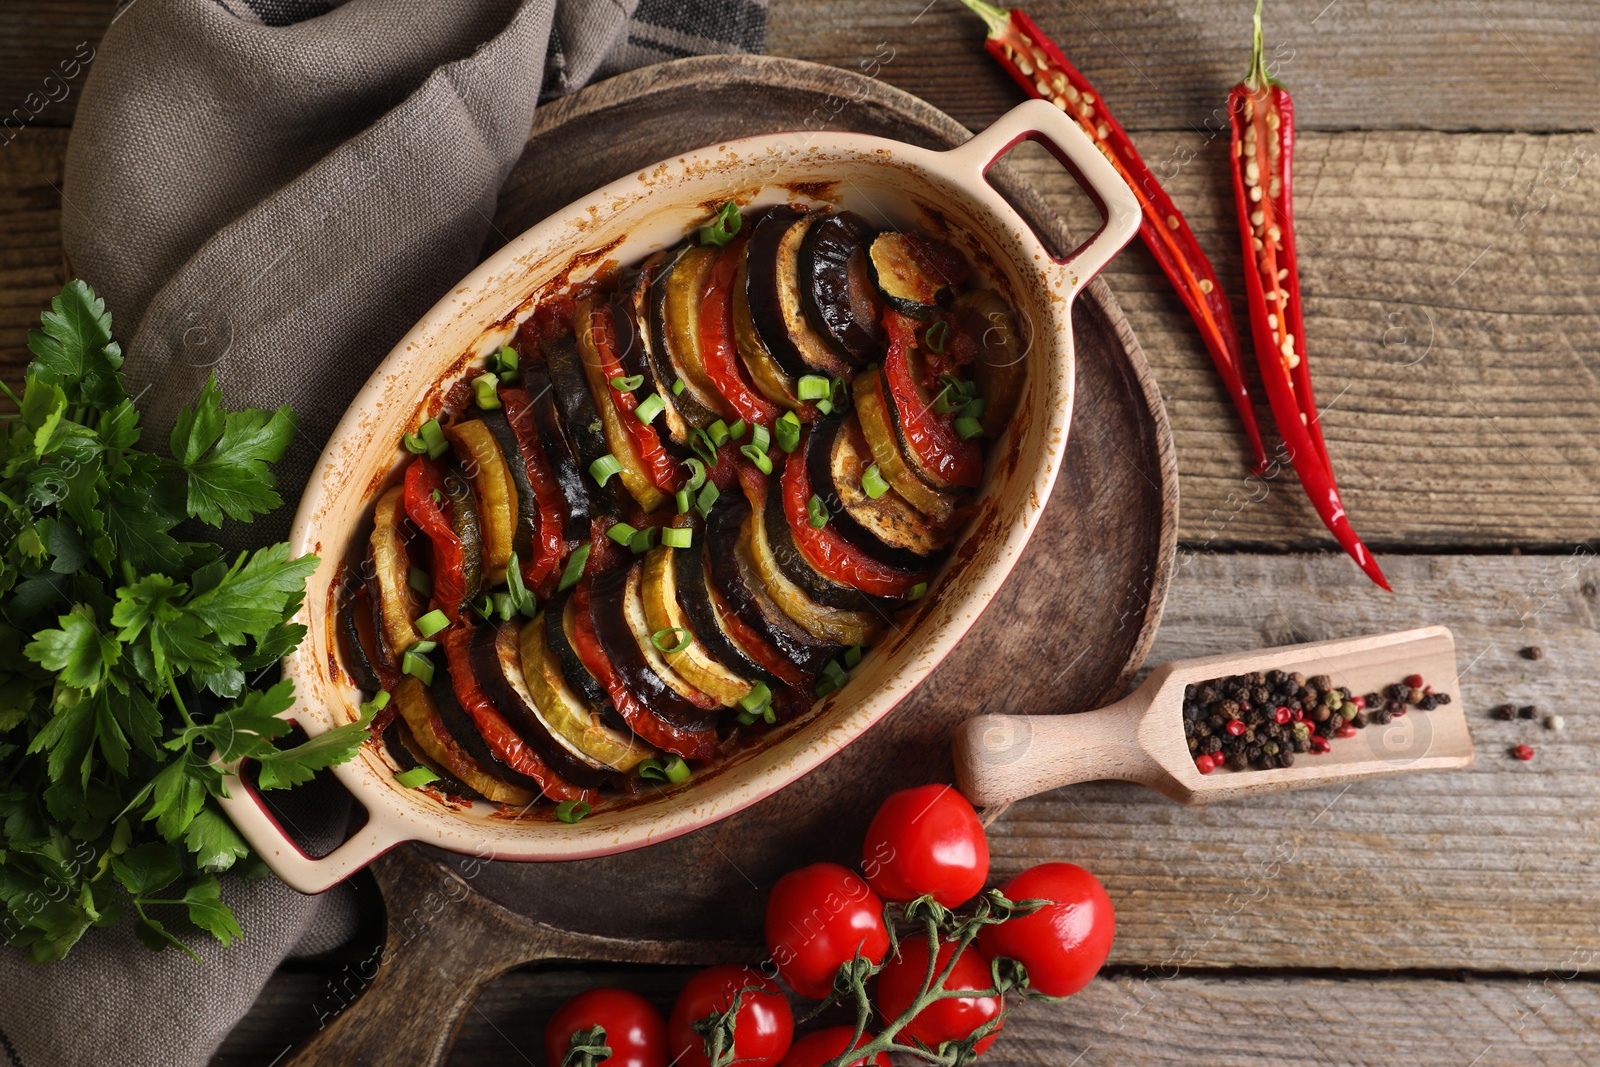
128 654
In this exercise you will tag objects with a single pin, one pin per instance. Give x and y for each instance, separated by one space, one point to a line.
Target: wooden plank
1131 1020
1467 65
1470 64
46 50
1488 868
31 267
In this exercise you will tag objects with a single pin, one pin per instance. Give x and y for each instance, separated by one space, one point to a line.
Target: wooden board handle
1004 758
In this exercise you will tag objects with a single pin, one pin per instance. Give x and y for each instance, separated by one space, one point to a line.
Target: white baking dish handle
308 874
1037 120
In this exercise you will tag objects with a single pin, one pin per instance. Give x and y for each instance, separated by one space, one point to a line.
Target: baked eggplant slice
735 581
903 277
497 665
558 642
569 715
836 289
469 530
422 713
643 633
581 421
795 565
405 750
557 450
478 453
694 597
695 662
772 288
838 625
766 375
836 469
1000 369
877 426
675 296
613 626
395 604
648 304
353 644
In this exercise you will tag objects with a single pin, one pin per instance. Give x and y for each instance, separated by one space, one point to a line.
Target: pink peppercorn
1280 715
1345 731
1319 743
1205 764
1235 727
1523 752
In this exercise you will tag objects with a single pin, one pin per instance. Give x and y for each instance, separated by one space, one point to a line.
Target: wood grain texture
1489 868
31 267
1128 1020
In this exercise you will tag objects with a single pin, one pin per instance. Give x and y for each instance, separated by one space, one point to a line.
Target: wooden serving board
1067 631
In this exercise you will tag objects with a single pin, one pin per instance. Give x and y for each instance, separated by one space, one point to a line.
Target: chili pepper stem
1258 78
997 19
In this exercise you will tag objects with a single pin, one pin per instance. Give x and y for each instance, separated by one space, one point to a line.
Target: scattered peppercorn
1528 711
1555 722
1522 752
1505 711
1533 652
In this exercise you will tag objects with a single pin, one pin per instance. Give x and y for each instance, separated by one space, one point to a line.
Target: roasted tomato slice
940 451
718 347
542 571
827 551
424 490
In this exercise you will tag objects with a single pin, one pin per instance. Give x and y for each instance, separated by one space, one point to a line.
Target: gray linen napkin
273 191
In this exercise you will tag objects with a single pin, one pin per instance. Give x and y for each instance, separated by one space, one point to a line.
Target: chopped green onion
379 701
918 591
948 401
841 392
736 431
432 623
414 444
665 641
429 440
570 811
421 581
703 446
718 434
672 769
504 363
968 427
574 568
817 511
418 666
708 496
684 501
825 407
936 335
522 602
758 697
643 540
761 437
852 655
787 431
627 383
973 409
422 648
824 687
872 482
697 474
621 533
762 461
603 468
486 391
723 227
485 607
416 777
814 387
438 497
503 607
649 408
677 387
677 536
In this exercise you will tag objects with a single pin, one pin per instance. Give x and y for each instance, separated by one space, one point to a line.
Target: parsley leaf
226 457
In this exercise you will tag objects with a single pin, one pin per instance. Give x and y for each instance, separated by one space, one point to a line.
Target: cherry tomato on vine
1062 945
634 1029
953 1019
926 840
763 1027
818 918
824 1046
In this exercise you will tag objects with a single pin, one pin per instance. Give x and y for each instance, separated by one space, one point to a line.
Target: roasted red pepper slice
717 346
754 645
1040 67
661 468
423 495
543 570
652 728
932 435
492 726
826 551
1261 118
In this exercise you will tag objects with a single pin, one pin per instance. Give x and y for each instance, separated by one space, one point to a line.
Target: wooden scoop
1003 758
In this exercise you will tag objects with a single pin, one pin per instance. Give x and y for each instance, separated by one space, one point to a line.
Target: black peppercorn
1428 702
1533 652
1443 698
1528 711
1505 711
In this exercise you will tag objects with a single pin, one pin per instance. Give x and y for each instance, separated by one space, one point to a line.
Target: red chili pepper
661 468
492 726
424 479
931 435
543 570
828 552
1261 117
717 347
654 729
1040 67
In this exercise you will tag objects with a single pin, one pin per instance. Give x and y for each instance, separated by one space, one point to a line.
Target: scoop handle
1004 758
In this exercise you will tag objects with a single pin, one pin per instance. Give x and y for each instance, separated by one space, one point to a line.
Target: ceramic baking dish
890 182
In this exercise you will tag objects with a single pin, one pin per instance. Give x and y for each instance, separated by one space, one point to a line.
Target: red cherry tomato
634 1029
762 1028
1062 945
952 1019
817 919
926 840
824 1046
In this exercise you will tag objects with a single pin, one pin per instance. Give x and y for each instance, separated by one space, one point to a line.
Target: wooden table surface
1449 212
